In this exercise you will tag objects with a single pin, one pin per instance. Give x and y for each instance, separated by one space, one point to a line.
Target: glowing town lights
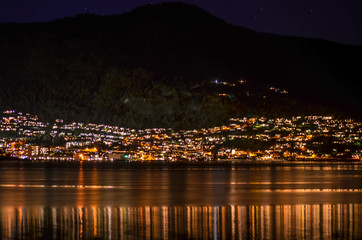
282 138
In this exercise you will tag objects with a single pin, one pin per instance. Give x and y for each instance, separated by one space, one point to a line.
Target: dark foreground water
299 201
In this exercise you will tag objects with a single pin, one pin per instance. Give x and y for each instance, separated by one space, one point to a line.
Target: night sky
335 20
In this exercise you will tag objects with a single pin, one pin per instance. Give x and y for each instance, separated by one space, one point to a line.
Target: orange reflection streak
80 194
318 221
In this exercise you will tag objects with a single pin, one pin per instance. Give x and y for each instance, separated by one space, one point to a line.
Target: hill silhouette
156 66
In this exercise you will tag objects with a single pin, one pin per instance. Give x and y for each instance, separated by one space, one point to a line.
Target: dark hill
153 67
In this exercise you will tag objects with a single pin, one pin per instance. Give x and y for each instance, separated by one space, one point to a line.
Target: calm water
240 202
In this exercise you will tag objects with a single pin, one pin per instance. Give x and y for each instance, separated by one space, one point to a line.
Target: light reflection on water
242 202
319 221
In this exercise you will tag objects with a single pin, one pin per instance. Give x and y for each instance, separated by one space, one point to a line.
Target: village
24 136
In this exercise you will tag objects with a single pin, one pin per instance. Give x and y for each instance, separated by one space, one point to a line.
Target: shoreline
177 164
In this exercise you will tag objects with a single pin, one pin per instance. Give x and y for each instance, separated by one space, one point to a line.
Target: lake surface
266 201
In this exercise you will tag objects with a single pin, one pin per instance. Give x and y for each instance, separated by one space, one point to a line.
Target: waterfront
320 138
266 201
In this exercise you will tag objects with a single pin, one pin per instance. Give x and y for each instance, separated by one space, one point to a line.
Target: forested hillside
156 66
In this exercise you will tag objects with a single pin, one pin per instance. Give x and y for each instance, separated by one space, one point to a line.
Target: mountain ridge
171 46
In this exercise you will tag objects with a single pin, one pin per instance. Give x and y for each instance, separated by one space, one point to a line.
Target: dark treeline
152 67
